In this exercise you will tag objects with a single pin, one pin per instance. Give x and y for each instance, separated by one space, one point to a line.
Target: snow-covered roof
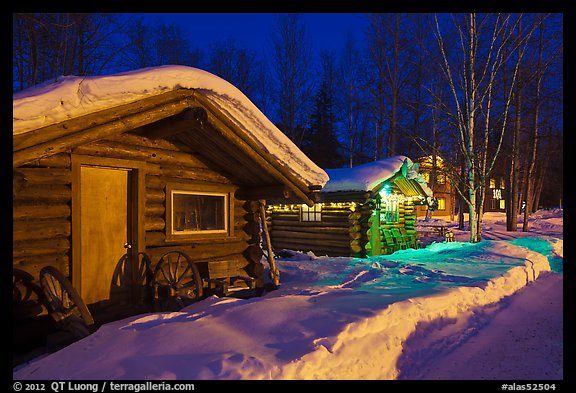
72 96
372 175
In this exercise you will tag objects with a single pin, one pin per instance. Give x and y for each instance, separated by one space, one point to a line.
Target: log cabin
363 211
439 182
109 169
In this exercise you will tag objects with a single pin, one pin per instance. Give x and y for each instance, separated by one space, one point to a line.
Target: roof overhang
194 121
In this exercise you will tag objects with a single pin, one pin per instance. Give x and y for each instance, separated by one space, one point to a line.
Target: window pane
195 212
441 203
313 213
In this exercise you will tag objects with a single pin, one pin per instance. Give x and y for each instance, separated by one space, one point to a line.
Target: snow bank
370 348
73 96
331 318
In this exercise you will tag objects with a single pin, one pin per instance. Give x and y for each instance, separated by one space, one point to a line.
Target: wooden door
104 228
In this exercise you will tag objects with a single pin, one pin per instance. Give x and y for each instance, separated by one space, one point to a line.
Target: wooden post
274 273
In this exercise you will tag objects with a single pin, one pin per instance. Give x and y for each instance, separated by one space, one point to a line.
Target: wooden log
343 224
59 137
23 211
187 121
310 235
311 229
334 217
252 206
155 195
356 248
45 175
61 160
252 192
40 229
33 264
155 238
252 228
30 248
340 250
159 182
44 193
355 235
198 251
155 209
253 253
252 217
355 216
313 242
354 228
199 174
335 210
285 216
137 137
153 152
284 210
154 223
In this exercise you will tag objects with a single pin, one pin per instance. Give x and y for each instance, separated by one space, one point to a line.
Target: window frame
199 189
311 211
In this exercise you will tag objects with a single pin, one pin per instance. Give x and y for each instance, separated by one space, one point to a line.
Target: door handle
127 245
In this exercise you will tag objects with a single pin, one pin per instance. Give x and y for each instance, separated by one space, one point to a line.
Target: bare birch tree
471 77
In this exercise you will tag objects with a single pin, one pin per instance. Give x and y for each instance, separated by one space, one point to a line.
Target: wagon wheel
124 280
26 295
176 281
64 303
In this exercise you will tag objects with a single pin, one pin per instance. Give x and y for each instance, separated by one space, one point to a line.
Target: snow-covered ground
416 314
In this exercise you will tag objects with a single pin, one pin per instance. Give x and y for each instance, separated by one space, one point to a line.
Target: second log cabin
363 211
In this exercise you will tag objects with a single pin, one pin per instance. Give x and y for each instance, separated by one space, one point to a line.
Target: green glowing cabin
366 210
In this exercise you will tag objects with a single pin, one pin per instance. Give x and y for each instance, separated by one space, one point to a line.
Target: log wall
338 234
43 194
343 231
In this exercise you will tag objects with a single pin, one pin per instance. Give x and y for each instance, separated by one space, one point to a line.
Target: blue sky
253 30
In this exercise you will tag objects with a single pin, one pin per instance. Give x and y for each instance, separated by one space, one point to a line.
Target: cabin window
194 212
391 213
426 176
492 183
313 213
441 203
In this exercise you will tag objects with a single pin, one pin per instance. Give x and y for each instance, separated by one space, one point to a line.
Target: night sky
325 31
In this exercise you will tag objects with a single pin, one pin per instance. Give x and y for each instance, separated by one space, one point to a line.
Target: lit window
313 213
192 213
441 179
426 176
389 207
502 183
441 203
492 183
503 204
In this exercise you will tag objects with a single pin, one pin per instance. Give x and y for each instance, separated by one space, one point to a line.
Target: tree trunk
532 160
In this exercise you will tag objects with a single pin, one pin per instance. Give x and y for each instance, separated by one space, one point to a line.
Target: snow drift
332 318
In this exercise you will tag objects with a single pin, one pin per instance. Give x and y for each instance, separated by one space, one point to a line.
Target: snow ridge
396 324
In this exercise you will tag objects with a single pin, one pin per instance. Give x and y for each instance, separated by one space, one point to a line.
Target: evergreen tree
322 145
